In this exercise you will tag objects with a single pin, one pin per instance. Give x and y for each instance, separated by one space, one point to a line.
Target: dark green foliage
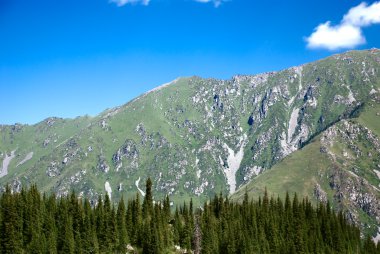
270 226
121 227
147 208
11 223
31 223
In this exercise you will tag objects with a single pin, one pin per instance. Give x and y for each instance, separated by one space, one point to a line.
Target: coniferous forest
31 222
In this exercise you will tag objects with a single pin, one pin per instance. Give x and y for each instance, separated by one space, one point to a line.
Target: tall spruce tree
147 208
11 226
122 226
68 244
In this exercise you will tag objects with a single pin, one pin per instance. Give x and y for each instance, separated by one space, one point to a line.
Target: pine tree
177 227
150 242
11 235
147 208
68 245
101 230
49 227
109 236
167 234
90 241
166 208
129 221
76 211
136 227
122 226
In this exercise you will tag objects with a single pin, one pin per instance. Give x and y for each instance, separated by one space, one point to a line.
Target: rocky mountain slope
196 137
340 165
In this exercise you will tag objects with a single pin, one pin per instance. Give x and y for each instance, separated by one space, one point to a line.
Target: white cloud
348 34
124 2
217 3
363 15
335 37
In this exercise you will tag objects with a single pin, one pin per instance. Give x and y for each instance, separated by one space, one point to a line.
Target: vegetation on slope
35 223
334 166
195 136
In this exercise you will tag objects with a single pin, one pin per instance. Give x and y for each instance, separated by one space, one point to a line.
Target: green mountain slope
194 137
341 164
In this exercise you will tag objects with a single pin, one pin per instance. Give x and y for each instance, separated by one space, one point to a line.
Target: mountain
341 164
196 137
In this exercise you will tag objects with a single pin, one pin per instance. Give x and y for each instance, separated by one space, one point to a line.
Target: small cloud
124 2
335 37
348 34
217 3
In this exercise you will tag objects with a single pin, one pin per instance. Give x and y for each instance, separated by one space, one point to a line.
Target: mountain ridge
195 137
175 80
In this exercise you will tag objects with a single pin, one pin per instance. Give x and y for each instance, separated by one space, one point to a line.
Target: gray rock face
102 164
320 194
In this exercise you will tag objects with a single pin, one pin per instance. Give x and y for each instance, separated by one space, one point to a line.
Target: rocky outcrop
346 144
102 164
6 161
356 192
319 193
129 152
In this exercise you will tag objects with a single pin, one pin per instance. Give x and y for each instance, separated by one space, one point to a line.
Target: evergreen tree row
35 223
271 225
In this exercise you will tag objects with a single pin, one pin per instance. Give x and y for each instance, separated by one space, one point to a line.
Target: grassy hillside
298 172
340 165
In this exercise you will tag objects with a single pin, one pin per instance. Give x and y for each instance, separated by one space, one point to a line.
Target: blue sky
76 57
